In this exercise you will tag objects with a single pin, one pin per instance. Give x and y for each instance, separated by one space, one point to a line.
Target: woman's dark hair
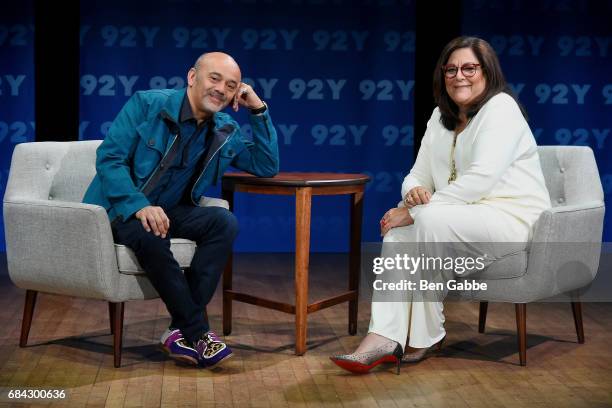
494 84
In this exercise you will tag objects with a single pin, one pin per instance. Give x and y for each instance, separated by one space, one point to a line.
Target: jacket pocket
218 165
148 153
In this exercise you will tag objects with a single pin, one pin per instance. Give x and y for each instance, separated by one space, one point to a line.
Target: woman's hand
395 217
417 196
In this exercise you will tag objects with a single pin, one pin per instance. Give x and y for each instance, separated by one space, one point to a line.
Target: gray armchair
55 244
563 255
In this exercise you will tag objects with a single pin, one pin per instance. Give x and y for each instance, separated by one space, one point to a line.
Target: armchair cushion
507 267
182 249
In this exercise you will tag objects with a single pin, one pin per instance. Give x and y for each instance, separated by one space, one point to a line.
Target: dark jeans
185 295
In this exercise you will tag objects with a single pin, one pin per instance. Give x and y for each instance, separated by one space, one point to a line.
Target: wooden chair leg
111 317
482 316
28 312
577 311
521 328
117 323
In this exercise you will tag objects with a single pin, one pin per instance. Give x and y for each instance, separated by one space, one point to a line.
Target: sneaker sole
179 357
218 363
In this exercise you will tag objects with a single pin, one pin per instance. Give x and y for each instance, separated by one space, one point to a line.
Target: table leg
303 200
227 275
355 257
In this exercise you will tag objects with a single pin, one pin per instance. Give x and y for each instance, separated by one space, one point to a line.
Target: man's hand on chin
246 96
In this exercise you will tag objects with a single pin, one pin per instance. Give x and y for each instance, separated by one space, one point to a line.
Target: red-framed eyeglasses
468 70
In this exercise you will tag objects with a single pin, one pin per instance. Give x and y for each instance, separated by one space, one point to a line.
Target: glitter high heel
361 363
420 354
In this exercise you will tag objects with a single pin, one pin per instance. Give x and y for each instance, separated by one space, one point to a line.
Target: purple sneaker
212 350
173 343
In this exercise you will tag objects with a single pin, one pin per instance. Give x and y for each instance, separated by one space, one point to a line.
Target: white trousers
422 322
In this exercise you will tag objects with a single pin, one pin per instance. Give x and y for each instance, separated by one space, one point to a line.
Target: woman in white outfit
477 178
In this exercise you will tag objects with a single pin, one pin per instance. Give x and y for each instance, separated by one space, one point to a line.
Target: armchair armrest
571 223
213 202
60 247
565 248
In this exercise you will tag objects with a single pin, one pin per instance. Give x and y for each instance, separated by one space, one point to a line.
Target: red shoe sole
360 368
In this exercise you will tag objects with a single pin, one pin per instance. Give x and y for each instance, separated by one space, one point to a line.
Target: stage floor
70 349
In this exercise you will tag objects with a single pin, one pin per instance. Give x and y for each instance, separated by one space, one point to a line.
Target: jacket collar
172 106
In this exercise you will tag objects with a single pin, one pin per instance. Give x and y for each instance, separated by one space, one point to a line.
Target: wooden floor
70 350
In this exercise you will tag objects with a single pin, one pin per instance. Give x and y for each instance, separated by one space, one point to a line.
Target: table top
301 179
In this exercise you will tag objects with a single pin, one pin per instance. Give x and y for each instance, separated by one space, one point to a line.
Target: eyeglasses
468 70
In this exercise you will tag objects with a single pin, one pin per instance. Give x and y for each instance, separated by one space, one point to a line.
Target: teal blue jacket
142 134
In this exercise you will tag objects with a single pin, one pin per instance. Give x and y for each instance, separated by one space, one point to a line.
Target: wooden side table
303 186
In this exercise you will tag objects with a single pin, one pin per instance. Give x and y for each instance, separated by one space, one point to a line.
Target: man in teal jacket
161 153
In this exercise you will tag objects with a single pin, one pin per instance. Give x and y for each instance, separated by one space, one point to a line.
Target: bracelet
260 110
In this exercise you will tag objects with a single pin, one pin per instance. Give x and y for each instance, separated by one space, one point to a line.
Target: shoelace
212 336
212 345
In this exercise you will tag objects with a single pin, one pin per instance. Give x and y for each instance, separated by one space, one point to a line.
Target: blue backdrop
338 77
339 82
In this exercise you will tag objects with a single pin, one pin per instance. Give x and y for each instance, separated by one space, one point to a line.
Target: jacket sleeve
261 155
114 156
495 148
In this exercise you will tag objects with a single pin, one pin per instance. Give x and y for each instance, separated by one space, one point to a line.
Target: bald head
217 59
